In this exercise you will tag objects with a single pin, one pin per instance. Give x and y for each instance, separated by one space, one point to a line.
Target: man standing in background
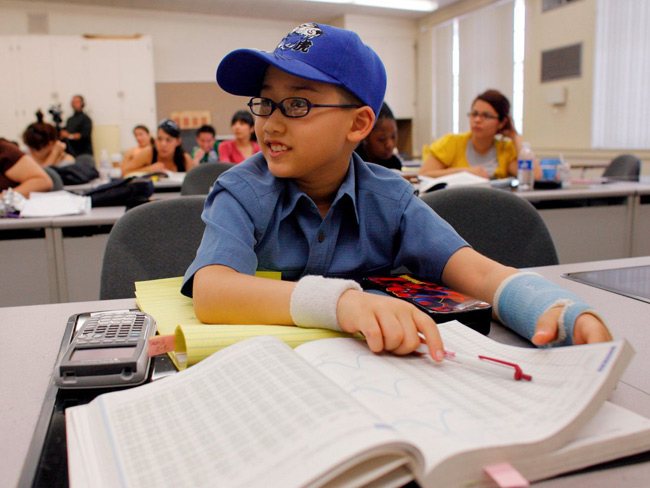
78 128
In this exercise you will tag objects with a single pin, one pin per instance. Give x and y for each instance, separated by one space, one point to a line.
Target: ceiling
293 10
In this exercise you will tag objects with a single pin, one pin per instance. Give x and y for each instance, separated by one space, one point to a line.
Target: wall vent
561 63
38 24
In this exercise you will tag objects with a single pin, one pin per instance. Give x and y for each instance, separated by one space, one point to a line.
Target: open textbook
332 413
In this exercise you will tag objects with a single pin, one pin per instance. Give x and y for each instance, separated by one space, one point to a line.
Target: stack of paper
195 341
54 204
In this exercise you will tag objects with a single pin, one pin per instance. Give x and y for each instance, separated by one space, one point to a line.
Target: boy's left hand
588 329
388 324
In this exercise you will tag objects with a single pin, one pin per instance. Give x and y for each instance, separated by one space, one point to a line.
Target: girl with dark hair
144 140
243 145
380 145
490 148
20 172
44 145
166 154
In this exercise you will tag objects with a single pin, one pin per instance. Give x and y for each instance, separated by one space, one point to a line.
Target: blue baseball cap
315 52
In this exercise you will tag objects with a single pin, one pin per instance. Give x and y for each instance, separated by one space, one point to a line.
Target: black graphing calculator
109 350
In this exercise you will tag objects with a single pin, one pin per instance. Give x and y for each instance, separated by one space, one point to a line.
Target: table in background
54 259
594 222
28 364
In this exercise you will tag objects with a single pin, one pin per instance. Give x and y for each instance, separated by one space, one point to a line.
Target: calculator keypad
113 328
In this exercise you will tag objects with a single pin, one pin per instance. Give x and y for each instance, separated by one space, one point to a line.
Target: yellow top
450 150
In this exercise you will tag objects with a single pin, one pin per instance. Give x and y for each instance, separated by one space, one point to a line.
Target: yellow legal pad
174 314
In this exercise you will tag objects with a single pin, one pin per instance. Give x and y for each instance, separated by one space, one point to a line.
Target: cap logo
300 39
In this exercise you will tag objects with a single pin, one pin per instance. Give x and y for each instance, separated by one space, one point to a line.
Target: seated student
478 151
308 207
144 140
44 145
206 151
20 171
165 155
380 145
243 145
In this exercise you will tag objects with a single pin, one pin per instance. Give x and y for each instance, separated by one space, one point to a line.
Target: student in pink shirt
243 145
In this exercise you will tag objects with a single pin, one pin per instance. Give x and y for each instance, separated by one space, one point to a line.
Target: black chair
626 167
496 223
155 240
54 176
200 179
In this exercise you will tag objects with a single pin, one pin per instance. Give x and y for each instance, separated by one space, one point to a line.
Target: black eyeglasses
482 115
293 107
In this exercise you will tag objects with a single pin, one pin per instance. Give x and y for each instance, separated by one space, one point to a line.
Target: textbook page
254 414
613 433
448 409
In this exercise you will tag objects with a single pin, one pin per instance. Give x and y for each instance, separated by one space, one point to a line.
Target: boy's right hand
388 324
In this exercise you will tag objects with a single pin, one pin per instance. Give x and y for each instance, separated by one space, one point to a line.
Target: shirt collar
347 188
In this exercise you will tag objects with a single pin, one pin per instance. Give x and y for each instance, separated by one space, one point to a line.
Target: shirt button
321 236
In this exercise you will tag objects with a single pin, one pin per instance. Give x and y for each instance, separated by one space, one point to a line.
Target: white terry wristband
314 300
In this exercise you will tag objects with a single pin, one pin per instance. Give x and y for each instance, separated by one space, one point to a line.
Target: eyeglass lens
290 107
482 115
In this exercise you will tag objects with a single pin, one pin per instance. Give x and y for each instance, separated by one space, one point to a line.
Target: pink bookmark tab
506 476
161 344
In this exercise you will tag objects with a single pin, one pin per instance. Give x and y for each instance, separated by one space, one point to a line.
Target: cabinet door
102 74
34 70
68 71
137 87
9 94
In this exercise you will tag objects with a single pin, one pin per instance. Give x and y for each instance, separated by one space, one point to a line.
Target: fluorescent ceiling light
416 5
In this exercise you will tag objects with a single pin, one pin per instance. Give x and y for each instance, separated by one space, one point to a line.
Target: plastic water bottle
105 165
565 173
525 173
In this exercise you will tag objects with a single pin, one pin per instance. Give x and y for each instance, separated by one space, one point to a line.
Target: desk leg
51 264
59 259
632 215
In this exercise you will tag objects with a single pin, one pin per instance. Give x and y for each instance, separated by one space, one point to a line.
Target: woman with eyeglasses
166 154
490 148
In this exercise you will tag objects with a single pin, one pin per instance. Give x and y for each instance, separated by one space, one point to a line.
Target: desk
27 375
54 259
595 222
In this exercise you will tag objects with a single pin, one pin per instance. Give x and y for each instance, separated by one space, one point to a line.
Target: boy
206 151
308 207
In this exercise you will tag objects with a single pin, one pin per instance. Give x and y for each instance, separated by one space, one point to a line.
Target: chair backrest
625 167
155 240
86 159
55 177
497 224
201 178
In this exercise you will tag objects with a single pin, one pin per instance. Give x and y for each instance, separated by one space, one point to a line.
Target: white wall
552 130
187 47
394 40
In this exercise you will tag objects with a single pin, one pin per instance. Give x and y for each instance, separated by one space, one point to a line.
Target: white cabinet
115 76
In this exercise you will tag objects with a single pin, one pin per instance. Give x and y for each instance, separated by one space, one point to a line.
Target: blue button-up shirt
255 221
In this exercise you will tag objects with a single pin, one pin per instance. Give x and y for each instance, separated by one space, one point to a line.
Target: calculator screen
102 353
